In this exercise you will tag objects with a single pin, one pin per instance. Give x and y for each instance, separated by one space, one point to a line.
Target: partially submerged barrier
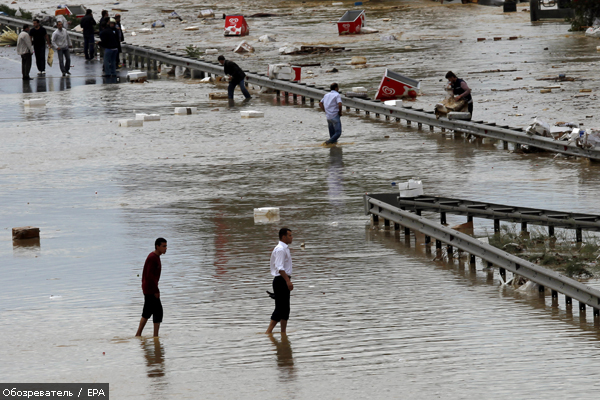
493 256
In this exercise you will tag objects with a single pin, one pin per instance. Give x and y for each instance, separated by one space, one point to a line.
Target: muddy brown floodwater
372 317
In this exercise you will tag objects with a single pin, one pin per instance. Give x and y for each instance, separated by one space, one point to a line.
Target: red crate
235 25
351 22
394 85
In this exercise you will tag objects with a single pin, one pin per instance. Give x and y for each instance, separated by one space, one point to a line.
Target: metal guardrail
542 276
480 209
478 128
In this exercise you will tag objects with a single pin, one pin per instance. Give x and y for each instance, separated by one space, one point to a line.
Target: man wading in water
461 91
281 269
150 277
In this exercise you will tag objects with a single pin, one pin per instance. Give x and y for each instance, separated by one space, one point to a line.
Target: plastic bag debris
539 127
158 24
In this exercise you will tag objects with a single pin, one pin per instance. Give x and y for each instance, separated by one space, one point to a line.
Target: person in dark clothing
88 23
150 278
111 44
461 90
40 40
104 20
237 76
121 36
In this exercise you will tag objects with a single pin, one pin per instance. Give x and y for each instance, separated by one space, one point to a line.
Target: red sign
235 25
394 86
351 22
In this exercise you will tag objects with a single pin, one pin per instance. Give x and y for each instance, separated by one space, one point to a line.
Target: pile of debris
8 37
569 132
310 50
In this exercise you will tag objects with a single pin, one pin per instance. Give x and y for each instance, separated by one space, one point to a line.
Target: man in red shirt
150 277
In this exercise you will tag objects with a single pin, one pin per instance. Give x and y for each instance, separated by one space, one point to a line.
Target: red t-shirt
151 274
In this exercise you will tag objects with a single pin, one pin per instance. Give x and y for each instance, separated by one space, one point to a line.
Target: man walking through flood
281 269
332 105
25 50
461 90
40 40
150 277
237 76
61 42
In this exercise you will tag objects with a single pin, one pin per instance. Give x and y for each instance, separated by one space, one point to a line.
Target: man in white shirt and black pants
61 42
25 50
332 105
281 269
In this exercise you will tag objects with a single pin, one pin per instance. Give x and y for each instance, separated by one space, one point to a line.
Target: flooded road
371 317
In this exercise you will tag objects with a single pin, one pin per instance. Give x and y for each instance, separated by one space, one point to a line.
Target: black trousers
282 299
152 308
40 57
470 108
26 64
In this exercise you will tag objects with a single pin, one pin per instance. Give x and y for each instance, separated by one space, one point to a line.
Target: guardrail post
438 244
312 101
375 219
277 93
443 218
502 272
396 226
408 122
295 97
420 125
523 227
427 240
472 259
469 218
496 225
505 144
418 212
568 301
581 308
386 223
578 235
387 117
450 251
347 108
542 289
431 128
397 119
376 115
366 112
551 230
406 231
286 94
554 294
596 313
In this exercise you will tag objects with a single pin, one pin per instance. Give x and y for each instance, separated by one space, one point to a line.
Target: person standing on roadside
25 50
281 269
104 20
110 42
61 42
332 105
121 36
150 277
237 76
461 90
40 40
88 23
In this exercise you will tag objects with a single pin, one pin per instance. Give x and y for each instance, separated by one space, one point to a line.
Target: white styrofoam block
269 212
285 70
130 122
412 188
393 103
286 76
252 114
211 51
459 115
359 89
185 110
147 117
134 75
35 102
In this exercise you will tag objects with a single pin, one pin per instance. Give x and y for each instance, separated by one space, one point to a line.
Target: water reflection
41 84
335 178
285 358
155 359
65 83
26 248
27 87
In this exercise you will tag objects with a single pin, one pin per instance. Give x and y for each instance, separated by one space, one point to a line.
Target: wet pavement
372 317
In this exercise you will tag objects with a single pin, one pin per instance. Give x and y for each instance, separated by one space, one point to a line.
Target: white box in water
35 102
459 115
147 117
130 122
393 103
269 212
252 114
412 188
359 89
135 75
185 110
284 76
211 51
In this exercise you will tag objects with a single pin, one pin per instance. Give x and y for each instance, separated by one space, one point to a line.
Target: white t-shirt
281 259
330 103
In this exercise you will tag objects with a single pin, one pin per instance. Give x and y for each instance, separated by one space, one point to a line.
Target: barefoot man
150 277
281 269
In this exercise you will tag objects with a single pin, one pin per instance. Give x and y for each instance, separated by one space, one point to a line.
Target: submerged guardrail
492 255
147 57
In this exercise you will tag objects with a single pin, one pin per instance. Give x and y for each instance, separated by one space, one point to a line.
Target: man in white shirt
61 43
332 105
25 50
281 269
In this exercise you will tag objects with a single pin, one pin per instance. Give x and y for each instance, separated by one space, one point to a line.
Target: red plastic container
351 22
235 25
297 73
394 86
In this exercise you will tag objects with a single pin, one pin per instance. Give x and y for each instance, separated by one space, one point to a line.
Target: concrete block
25 232
218 96
252 114
128 123
185 110
35 103
147 117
